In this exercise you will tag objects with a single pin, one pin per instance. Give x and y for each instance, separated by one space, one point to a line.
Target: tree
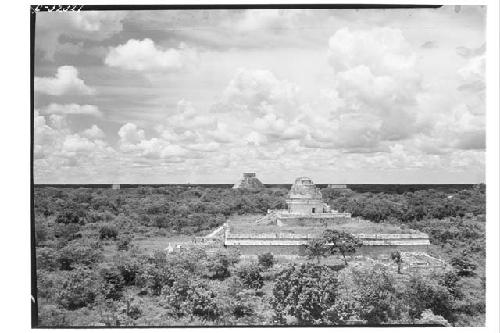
266 260
463 264
79 288
78 253
428 293
217 265
306 292
396 257
250 276
316 248
340 242
376 294
188 297
113 282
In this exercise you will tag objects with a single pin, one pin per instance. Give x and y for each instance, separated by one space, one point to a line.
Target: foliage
70 217
124 243
46 258
429 318
340 242
250 275
81 282
108 231
266 260
218 264
113 282
316 248
377 296
52 315
190 297
78 253
396 257
463 264
427 293
306 292
78 288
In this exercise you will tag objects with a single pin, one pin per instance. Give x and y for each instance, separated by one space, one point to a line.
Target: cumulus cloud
68 109
384 50
187 117
66 81
94 132
472 74
133 141
144 55
130 134
374 92
266 19
84 25
59 152
259 92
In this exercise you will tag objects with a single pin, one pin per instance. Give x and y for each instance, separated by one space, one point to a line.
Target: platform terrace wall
376 245
383 251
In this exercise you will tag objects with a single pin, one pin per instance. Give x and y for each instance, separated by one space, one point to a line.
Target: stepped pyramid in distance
249 181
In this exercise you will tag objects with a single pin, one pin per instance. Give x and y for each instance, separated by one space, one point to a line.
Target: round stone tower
305 198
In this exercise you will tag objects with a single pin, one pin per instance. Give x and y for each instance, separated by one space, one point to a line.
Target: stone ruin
249 181
306 208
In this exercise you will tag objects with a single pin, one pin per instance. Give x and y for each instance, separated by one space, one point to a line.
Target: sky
201 96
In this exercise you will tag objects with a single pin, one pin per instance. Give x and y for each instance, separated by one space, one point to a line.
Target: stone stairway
268 219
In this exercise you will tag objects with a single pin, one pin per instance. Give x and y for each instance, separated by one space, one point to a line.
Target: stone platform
287 244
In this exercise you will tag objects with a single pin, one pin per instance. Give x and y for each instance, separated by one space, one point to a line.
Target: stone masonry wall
375 245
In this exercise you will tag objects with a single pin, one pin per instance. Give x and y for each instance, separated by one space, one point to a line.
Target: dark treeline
90 270
373 188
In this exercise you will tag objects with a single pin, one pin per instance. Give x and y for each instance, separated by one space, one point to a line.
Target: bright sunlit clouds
342 96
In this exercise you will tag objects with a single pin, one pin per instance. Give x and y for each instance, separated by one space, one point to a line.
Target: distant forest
371 188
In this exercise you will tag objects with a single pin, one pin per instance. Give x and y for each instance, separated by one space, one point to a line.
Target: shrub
217 265
51 315
113 282
134 311
427 293
47 283
108 231
46 258
78 253
250 276
305 292
69 216
266 260
464 265
129 271
67 232
79 288
124 243
190 297
378 297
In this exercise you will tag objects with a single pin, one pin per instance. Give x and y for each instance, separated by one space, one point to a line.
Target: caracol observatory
286 232
305 207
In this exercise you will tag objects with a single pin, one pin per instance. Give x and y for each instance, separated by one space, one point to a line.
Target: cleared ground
245 224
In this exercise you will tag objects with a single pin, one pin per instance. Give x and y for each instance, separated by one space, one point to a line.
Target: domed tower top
304 188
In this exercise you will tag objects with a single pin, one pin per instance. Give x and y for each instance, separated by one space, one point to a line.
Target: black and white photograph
287 165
